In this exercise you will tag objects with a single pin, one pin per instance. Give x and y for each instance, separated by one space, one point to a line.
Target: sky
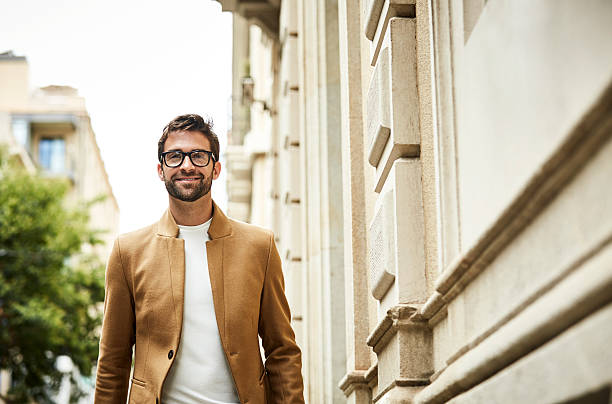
138 64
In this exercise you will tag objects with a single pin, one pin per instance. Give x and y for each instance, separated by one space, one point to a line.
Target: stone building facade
437 176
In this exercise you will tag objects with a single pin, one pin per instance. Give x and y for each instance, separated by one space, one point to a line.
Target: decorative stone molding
396 317
403 345
371 376
556 364
359 379
551 311
586 139
399 383
353 380
573 292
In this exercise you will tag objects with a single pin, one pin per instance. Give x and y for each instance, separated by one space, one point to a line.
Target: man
192 293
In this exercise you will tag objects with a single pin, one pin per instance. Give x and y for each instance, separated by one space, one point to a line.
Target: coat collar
219 227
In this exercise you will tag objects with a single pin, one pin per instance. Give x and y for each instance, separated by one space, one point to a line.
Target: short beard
200 189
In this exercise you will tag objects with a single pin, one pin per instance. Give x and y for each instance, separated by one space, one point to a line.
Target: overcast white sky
138 64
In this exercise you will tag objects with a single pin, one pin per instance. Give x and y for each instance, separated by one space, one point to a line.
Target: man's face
188 182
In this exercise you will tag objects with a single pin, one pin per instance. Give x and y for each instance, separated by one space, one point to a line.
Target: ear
160 171
216 170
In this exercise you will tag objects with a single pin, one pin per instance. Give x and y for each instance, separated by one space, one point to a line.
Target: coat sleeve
283 356
118 330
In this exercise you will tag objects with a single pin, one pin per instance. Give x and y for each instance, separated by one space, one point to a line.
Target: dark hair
190 122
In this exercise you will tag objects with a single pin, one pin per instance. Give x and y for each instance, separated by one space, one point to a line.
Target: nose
187 164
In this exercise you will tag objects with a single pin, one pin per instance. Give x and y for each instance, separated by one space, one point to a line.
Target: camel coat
143 308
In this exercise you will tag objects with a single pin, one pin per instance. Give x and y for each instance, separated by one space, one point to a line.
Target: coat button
170 354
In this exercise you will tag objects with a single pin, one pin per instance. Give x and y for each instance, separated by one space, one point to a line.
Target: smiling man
192 293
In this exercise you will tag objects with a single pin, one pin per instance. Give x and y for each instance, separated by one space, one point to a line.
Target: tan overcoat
143 308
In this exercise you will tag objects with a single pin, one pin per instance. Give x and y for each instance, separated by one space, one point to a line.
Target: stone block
288 19
410 242
289 119
293 288
289 64
397 239
404 359
292 233
359 396
378 109
398 395
240 190
382 241
238 210
392 101
380 12
294 181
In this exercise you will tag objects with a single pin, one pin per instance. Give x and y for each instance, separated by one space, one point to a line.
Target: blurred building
437 174
49 130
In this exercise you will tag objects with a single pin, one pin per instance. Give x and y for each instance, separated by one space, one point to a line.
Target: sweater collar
219 227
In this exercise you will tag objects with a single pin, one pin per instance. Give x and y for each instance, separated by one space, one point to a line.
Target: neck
191 213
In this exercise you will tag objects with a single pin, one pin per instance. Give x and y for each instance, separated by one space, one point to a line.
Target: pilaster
397 261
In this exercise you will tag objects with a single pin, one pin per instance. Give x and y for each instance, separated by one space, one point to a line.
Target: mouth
187 179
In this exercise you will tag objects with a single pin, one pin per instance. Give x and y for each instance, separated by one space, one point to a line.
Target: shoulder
251 233
136 239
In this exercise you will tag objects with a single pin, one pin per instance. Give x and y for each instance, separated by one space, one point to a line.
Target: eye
173 157
199 157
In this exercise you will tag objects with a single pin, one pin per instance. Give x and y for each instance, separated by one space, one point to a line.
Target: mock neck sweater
200 373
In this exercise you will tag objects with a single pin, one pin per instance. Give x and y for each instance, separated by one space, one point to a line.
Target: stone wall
441 197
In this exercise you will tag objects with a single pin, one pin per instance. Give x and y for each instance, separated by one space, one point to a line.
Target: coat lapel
218 230
214 252
176 256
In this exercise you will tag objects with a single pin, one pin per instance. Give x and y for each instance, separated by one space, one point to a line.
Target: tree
49 290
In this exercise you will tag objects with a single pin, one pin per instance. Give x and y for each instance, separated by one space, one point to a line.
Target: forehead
186 140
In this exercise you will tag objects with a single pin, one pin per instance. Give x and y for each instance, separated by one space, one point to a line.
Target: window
52 154
21 131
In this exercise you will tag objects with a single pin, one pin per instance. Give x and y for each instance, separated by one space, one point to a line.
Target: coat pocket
139 393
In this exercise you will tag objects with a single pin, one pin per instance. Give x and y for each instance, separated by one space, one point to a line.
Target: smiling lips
187 179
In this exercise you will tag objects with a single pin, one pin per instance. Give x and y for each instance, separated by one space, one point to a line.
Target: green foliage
49 290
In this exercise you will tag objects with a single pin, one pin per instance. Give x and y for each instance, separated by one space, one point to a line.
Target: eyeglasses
174 158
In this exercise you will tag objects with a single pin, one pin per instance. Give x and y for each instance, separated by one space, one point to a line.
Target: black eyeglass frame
183 154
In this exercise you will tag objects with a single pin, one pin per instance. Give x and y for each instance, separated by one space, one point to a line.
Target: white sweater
200 373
